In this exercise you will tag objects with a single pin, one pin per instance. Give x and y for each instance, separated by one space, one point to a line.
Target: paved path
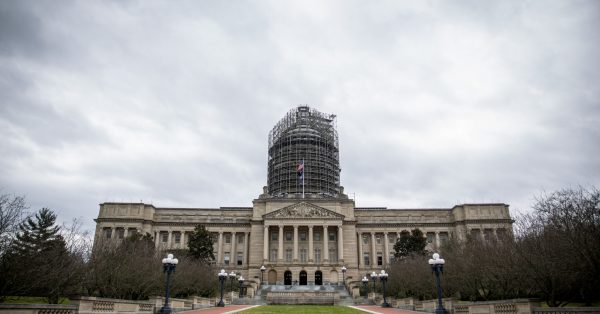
221 310
375 309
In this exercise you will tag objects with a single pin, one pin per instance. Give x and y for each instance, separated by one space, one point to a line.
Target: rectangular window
288 255
227 238
317 256
317 236
274 236
303 255
120 233
365 239
379 259
332 236
378 239
488 234
273 255
240 258
302 236
501 233
288 236
366 259
226 258
177 237
392 239
332 255
108 233
131 232
430 237
475 233
443 238
241 239
164 237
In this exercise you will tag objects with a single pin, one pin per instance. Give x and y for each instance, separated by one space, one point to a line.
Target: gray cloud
437 103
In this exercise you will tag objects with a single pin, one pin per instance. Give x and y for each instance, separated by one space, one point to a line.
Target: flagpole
302 178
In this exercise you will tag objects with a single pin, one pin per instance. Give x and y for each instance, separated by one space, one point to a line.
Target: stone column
360 250
245 261
113 232
310 245
295 244
280 249
156 238
386 252
373 251
220 249
125 232
340 244
233 260
266 244
437 240
170 239
325 245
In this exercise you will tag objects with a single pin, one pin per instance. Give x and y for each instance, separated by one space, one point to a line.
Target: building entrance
287 278
318 278
303 278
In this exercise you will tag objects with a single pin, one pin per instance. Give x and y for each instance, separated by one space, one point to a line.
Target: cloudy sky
438 102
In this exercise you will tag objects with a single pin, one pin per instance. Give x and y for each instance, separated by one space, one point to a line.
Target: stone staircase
302 294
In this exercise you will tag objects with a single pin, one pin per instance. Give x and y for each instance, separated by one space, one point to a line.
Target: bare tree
12 212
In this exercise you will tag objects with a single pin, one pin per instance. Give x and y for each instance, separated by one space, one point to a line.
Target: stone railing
566 310
302 297
38 308
93 305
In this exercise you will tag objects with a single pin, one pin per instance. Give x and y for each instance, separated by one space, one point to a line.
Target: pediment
303 210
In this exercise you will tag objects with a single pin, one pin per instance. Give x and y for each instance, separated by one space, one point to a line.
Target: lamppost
344 274
232 276
365 282
169 264
437 267
222 277
383 276
262 273
374 278
241 281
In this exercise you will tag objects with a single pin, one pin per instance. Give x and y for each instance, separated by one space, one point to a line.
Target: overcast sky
438 102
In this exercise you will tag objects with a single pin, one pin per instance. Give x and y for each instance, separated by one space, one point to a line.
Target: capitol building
303 229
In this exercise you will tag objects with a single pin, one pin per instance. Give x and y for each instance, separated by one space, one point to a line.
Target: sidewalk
220 310
375 309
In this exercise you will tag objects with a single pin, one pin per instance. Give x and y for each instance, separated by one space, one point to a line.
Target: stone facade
310 239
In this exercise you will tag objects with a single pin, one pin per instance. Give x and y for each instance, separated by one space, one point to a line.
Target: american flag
300 169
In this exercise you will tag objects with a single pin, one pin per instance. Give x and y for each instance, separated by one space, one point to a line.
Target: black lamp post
365 282
437 267
222 277
383 276
169 264
232 276
262 273
374 278
241 281
344 274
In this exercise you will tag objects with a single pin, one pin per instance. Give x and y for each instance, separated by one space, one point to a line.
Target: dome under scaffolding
309 136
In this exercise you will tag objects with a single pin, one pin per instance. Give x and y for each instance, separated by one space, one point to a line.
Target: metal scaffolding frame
309 135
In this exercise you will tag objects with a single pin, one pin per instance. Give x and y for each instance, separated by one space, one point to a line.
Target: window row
302 236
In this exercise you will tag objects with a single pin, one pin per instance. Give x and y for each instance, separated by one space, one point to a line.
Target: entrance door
318 278
287 278
303 278
272 277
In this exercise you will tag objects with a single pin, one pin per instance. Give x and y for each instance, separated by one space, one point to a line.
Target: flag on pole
300 170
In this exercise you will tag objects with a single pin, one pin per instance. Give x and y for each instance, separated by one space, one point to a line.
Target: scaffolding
304 134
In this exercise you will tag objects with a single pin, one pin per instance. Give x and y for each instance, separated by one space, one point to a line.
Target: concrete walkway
221 310
375 309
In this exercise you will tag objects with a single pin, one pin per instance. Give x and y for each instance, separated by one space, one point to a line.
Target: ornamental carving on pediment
303 210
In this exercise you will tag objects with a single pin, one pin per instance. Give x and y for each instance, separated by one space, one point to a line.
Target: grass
302 309
32 300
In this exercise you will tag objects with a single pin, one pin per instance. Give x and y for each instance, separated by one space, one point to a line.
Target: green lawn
302 309
33 300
